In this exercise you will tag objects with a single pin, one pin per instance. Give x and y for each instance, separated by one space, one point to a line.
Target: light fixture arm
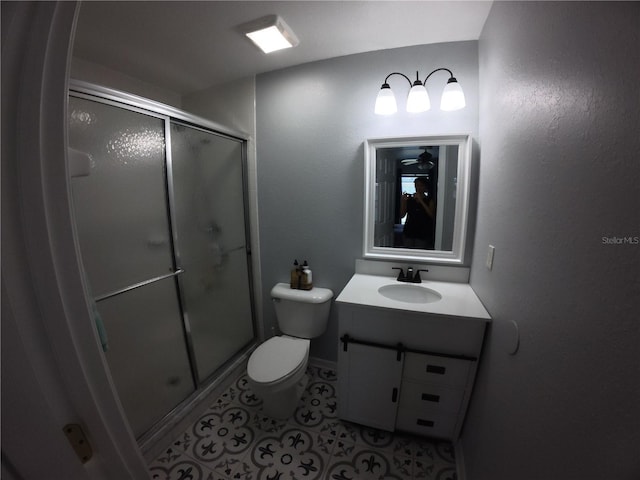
437 70
386 80
417 81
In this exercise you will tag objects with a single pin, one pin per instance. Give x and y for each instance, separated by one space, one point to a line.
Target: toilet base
281 405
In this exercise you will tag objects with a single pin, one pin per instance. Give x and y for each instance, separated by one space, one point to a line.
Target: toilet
276 369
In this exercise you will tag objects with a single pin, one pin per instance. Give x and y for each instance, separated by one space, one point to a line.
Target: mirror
416 198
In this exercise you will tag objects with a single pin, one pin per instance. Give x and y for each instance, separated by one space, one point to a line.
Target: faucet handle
417 278
401 276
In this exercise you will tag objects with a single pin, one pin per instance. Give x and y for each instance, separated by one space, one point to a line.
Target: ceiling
186 46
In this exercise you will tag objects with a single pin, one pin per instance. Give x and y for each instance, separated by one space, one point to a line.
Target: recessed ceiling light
270 34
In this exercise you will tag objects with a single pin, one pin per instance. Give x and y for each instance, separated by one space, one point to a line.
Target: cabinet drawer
441 425
433 369
430 397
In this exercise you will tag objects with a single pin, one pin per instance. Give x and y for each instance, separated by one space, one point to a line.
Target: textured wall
559 135
311 123
231 104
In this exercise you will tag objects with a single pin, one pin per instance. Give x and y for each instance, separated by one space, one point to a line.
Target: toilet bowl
277 374
276 370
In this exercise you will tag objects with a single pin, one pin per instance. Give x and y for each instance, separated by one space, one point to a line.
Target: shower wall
160 212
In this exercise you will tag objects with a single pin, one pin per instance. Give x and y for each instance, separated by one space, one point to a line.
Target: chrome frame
151 107
184 310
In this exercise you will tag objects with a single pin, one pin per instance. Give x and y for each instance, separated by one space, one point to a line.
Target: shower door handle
227 252
138 285
222 256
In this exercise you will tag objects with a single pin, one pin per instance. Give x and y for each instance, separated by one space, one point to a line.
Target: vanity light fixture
418 98
270 33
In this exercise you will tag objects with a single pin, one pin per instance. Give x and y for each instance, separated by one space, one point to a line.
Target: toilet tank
301 313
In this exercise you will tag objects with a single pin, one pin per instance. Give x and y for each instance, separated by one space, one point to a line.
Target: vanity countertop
458 299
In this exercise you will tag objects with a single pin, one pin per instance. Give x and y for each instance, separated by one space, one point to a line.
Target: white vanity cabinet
409 371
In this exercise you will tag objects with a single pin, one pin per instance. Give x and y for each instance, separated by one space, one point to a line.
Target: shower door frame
168 114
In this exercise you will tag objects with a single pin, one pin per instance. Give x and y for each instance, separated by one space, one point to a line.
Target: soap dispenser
307 278
295 275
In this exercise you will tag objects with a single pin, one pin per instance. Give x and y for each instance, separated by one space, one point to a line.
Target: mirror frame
461 217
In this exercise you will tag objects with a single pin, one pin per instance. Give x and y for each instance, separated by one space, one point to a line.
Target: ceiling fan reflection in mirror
424 160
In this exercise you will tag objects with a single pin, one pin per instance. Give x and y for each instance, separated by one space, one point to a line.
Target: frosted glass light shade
452 96
386 101
270 34
418 99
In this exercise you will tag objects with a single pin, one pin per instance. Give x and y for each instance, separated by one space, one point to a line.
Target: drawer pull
436 369
425 423
429 397
394 395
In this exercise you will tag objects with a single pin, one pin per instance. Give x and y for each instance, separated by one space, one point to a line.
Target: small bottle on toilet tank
307 277
295 275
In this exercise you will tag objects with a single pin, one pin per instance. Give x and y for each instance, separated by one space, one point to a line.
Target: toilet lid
276 358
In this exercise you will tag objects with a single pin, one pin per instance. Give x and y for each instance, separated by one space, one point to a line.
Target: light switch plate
490 253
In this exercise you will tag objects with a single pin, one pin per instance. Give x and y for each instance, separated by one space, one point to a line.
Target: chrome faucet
409 277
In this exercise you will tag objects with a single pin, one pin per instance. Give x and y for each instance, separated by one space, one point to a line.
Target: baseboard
461 473
322 363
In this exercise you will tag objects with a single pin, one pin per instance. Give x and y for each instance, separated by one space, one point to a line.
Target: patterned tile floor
233 440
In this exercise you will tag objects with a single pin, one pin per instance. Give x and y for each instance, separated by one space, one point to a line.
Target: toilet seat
277 358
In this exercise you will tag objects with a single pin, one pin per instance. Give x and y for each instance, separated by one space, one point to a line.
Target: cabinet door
369 385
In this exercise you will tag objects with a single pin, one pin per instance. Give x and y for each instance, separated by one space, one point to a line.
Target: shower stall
160 205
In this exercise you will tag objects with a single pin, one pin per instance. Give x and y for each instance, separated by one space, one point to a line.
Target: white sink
409 293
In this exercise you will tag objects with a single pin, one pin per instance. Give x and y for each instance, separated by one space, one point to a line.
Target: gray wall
311 121
560 136
231 104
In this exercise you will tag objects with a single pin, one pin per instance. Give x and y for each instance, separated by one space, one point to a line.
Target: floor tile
220 438
294 453
358 462
175 465
318 405
234 440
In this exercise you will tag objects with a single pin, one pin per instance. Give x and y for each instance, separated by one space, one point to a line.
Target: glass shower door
122 218
211 243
